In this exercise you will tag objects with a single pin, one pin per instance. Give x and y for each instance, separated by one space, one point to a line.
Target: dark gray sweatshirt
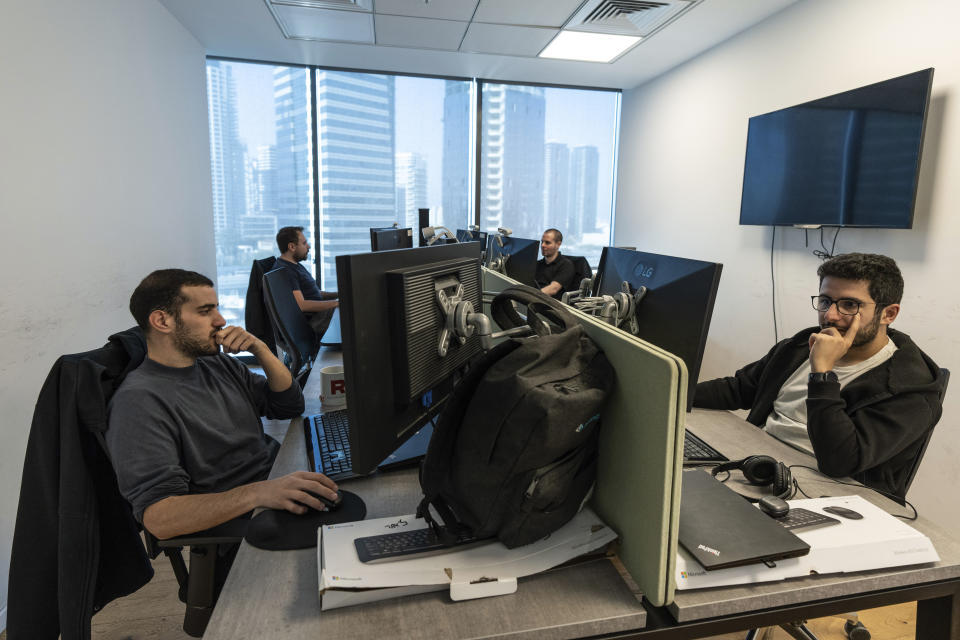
176 431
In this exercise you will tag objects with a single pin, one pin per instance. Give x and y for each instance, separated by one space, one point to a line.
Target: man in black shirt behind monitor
554 271
317 304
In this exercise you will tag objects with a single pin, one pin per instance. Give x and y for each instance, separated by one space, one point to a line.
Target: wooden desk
272 594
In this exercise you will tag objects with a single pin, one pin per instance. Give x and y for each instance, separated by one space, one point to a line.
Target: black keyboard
696 451
405 544
328 443
804 518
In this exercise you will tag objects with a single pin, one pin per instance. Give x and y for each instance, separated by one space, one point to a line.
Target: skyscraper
357 139
512 158
456 186
584 163
411 179
556 188
266 180
226 151
292 162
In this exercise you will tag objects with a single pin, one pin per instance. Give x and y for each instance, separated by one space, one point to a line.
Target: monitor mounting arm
462 321
620 309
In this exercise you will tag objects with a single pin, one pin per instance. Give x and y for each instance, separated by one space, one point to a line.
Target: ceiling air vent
627 17
353 5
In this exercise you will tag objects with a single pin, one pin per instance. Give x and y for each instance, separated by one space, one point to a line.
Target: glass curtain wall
548 160
389 145
261 167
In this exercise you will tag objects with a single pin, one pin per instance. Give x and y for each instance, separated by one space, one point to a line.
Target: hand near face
236 339
829 346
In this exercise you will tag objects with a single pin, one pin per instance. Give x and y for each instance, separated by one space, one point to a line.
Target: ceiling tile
507 40
419 33
323 24
439 9
544 13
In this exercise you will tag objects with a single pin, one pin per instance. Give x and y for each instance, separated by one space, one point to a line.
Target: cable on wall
773 286
825 254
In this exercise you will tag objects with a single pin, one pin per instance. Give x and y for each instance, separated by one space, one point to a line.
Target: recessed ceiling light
588 47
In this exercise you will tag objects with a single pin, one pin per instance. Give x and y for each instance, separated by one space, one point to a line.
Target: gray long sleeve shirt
176 431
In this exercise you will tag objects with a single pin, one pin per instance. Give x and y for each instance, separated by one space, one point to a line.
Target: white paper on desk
340 568
878 541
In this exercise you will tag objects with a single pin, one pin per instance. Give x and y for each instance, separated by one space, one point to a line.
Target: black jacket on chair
255 318
76 545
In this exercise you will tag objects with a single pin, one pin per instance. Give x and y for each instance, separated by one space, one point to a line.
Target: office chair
292 332
70 501
853 627
581 270
211 554
255 317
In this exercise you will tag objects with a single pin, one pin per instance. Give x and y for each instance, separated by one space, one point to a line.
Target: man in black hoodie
855 393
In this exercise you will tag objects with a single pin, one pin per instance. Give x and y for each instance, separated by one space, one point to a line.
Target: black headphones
762 471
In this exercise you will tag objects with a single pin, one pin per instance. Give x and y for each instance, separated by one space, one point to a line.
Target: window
260 164
388 145
548 159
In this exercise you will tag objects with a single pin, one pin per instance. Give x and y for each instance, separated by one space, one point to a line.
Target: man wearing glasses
855 393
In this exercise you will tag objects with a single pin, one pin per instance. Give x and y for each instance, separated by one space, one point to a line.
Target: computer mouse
843 512
331 504
774 507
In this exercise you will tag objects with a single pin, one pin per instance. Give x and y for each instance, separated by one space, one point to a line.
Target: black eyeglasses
846 306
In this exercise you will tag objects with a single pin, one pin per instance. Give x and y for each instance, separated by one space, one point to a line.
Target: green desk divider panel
641 452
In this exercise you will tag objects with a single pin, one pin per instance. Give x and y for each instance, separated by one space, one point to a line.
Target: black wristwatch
823 376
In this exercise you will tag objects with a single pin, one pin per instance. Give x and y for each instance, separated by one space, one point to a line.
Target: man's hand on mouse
829 346
293 492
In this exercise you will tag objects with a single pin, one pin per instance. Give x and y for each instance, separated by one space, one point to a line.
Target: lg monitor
391 322
675 312
850 159
384 238
468 235
513 257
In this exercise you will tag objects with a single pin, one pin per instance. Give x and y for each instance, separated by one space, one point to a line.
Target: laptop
331 337
721 529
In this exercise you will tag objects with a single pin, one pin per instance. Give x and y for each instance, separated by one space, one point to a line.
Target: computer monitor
391 323
514 257
468 235
384 238
676 310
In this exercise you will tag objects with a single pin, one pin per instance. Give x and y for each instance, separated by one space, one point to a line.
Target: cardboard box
486 570
877 541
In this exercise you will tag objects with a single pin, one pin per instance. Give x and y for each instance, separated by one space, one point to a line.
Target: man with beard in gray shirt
185 435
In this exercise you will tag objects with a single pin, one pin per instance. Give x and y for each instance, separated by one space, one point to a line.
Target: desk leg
939 618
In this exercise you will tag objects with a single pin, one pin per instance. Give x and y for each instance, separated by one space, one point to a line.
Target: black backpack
514 452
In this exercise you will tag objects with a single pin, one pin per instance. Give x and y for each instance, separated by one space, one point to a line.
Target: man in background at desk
855 393
317 304
184 435
554 271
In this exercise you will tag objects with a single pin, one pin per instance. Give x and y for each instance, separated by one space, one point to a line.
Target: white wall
104 176
681 166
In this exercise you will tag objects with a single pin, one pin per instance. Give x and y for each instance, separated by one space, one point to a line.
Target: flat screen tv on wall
848 160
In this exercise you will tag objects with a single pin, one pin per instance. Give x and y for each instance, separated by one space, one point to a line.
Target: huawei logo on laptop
708 549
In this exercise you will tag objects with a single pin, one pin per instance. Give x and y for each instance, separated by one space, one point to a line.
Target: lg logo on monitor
643 271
